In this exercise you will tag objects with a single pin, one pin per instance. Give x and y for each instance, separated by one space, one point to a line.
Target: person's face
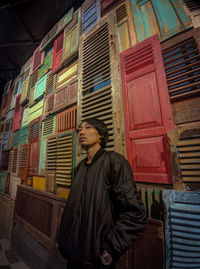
88 135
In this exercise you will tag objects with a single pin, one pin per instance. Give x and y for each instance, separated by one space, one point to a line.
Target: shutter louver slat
182 69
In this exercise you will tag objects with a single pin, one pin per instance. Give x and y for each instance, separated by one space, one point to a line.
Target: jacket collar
96 157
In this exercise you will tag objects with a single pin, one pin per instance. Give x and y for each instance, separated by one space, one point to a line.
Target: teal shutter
42 160
23 134
164 17
40 87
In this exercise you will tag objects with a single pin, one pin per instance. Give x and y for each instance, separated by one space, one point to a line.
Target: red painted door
147 111
57 54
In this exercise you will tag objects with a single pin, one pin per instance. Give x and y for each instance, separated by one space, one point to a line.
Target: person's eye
87 127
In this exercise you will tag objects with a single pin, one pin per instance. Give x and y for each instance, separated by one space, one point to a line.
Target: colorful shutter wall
147 111
40 88
182 229
17 114
181 58
23 162
57 54
66 120
71 38
38 58
90 14
162 17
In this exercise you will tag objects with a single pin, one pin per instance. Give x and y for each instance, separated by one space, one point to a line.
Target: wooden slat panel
38 58
189 157
34 130
57 54
66 120
48 126
50 83
15 161
40 87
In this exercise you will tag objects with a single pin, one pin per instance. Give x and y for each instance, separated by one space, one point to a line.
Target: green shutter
40 87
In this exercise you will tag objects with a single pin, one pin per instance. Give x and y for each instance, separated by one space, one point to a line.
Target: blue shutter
90 16
182 229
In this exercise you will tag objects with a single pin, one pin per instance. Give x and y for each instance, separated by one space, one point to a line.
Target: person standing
104 214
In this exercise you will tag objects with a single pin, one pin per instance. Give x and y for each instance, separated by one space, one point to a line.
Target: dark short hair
101 128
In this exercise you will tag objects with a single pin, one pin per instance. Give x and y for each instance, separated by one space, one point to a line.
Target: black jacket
103 211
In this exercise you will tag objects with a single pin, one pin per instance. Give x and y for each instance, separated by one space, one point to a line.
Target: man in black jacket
104 214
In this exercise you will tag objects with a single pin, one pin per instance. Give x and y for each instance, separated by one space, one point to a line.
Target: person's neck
91 152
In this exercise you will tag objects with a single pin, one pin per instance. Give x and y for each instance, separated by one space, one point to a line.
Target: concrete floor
8 258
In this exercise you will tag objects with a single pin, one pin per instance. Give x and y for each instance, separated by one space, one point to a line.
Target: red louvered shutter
38 58
34 135
147 111
17 114
57 54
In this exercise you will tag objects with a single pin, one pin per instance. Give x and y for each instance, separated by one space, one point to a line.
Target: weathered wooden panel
182 228
147 111
66 120
48 126
71 38
50 84
23 162
66 88
46 66
181 59
36 110
25 92
40 88
42 224
17 114
162 17
99 80
107 5
51 164
149 247
192 8
15 161
15 138
57 53
65 159
124 25
90 14
23 134
42 159
39 183
34 130
38 58
25 113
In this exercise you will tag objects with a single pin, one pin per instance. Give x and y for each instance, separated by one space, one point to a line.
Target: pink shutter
57 54
147 111
38 58
17 114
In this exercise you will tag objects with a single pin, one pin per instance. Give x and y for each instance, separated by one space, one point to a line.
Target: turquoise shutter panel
40 87
23 134
164 17
42 160
182 229
15 138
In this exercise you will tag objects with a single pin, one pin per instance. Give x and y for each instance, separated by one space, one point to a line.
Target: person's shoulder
115 156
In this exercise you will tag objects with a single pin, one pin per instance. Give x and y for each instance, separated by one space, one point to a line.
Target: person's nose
82 132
